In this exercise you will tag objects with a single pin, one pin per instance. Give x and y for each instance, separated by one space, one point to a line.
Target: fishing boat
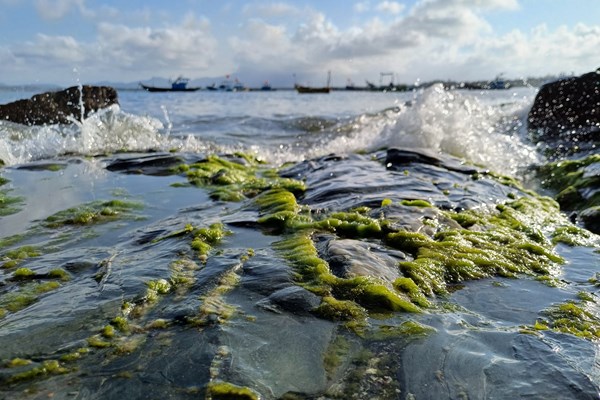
227 85
310 89
497 83
178 85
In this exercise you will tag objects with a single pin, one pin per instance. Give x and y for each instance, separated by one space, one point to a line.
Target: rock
61 107
293 299
567 104
590 217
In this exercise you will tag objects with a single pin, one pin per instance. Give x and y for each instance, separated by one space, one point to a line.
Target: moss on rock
229 391
92 213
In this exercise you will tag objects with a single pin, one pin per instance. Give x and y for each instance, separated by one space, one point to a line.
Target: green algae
229 391
416 203
12 258
505 243
213 302
335 355
8 204
18 362
205 238
407 329
92 213
572 235
46 368
342 299
573 318
569 179
25 295
351 224
341 310
408 286
23 274
242 178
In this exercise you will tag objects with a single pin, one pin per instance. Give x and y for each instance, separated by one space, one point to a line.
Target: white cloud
189 46
447 39
271 10
362 7
119 50
57 9
51 50
391 7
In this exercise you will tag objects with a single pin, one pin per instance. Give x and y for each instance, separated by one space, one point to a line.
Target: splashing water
283 127
461 125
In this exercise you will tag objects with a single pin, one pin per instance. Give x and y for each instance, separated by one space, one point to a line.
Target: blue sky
70 41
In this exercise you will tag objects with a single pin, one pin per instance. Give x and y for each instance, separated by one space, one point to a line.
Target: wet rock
349 258
60 107
156 165
590 218
293 299
400 157
568 104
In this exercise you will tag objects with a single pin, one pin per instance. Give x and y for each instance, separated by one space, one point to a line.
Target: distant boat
266 86
227 85
178 85
497 83
310 89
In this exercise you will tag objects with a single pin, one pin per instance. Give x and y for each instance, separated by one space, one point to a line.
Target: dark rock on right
566 105
565 116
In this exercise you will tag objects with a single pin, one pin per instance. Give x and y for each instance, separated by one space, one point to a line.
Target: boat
498 83
178 85
310 89
227 85
266 87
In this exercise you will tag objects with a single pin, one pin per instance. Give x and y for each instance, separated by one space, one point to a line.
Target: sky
65 42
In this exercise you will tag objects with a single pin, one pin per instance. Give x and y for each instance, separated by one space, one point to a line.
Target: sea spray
460 124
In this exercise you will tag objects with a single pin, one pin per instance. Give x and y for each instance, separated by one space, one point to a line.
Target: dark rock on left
59 107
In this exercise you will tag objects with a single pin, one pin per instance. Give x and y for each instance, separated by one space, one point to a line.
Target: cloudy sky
69 41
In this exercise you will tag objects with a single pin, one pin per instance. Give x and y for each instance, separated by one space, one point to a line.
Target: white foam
460 124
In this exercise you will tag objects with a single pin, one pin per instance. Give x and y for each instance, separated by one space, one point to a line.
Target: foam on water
459 124
107 131
451 122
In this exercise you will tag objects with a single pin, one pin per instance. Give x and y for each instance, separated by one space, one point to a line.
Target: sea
61 343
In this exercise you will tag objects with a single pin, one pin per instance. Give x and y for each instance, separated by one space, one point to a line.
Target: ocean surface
479 343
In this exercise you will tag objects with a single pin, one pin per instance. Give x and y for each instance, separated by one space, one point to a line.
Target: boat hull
163 89
308 89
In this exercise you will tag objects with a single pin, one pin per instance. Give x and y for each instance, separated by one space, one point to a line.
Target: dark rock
61 107
156 164
590 218
568 104
292 299
397 158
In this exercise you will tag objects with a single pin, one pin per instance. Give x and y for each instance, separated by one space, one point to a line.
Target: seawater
483 127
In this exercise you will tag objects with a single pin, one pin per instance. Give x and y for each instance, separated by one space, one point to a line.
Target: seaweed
92 213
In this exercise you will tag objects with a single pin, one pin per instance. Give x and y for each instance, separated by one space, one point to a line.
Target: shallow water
479 345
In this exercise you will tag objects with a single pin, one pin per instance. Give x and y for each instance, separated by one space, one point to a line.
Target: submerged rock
60 107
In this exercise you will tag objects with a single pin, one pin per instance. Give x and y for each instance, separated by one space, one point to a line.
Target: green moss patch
8 204
12 258
93 213
573 318
504 243
229 391
343 299
237 179
25 294
568 178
